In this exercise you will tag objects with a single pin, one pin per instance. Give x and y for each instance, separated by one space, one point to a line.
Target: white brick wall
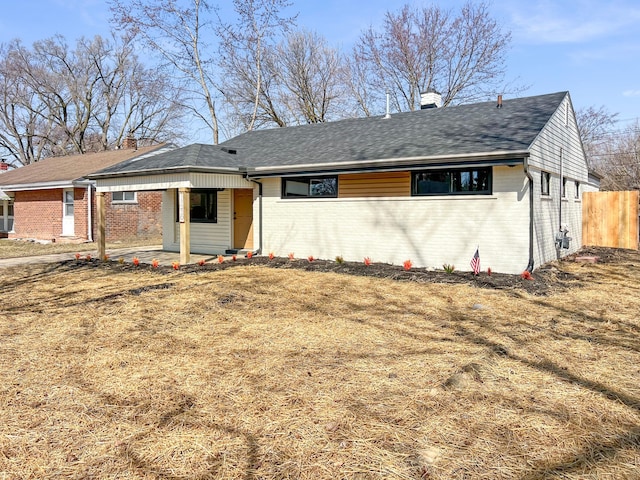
430 231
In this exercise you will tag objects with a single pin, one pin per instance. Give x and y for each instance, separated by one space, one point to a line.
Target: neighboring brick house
53 200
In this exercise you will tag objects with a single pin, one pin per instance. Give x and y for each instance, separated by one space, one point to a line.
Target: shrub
105 258
290 255
201 262
220 259
367 261
489 271
121 260
449 268
88 257
176 265
407 264
271 256
339 259
155 263
249 254
234 257
77 256
310 258
136 261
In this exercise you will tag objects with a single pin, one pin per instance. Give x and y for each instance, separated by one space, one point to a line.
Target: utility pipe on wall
89 214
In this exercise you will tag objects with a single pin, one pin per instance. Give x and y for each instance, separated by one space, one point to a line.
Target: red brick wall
140 220
38 214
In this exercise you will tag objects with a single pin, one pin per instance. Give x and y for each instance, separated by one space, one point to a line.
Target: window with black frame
204 206
310 187
452 181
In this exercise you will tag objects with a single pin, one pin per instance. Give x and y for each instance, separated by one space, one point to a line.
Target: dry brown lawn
261 373
21 248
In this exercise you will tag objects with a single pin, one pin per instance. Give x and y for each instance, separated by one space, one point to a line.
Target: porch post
100 207
184 215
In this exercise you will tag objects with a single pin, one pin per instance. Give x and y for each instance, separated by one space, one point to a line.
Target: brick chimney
130 142
4 166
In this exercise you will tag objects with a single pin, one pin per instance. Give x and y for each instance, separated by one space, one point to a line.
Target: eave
167 170
506 158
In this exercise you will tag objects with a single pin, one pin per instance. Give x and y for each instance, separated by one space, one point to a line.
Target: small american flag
475 262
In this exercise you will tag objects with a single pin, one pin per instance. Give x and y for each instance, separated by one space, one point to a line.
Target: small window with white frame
545 183
123 197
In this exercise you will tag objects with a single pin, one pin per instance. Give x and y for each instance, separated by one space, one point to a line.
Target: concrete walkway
144 254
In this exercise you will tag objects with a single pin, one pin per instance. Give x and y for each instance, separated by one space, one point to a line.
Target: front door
243 218
67 212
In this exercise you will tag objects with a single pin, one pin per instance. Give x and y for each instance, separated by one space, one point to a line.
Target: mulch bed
551 277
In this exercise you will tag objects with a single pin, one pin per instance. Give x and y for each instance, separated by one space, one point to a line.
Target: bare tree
56 100
461 56
594 125
21 112
175 31
617 159
247 59
311 77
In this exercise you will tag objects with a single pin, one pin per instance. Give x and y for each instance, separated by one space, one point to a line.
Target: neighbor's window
128 197
466 181
204 206
546 182
301 187
578 190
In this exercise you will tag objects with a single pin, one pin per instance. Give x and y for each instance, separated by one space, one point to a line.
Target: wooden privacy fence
610 219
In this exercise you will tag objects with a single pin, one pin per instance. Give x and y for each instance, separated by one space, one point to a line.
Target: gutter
463 159
259 250
530 264
89 216
165 170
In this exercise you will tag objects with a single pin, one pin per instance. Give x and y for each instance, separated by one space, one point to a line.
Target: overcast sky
590 48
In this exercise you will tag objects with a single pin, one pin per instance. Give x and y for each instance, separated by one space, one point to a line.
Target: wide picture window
468 181
310 187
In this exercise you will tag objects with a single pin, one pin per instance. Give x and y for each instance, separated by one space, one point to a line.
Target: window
9 209
546 181
578 190
68 203
204 206
128 197
472 181
564 187
304 187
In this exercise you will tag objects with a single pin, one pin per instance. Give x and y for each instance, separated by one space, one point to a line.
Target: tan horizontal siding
391 184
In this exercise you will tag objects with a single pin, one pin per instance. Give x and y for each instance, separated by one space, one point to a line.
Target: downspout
259 250
561 190
530 177
89 216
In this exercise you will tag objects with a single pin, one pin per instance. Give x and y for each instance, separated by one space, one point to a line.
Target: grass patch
22 248
255 372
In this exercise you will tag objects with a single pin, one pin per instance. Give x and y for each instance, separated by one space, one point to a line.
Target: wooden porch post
100 207
184 206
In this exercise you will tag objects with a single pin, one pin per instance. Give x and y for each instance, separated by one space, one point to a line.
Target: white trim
399 162
170 181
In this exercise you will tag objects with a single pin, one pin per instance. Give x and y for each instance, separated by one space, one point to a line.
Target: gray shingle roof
452 131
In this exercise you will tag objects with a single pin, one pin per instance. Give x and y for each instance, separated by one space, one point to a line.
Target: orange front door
243 218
